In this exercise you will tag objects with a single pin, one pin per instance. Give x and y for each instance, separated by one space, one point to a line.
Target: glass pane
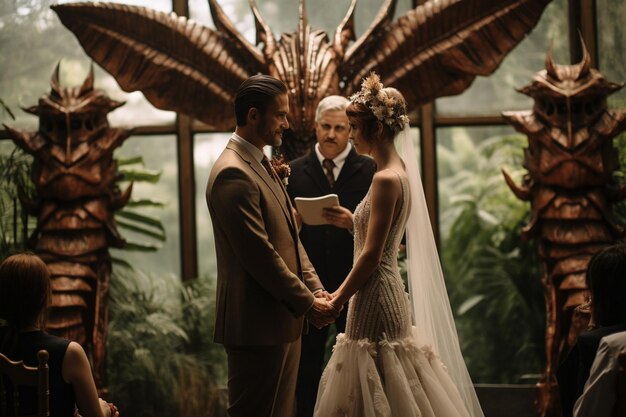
207 148
492 276
611 45
282 15
158 156
494 94
32 41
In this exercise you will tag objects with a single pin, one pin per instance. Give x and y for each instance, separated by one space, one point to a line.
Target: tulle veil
432 314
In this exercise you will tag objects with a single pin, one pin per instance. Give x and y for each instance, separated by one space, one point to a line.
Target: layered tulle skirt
388 378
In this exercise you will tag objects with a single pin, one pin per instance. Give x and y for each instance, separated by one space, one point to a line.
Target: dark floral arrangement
282 168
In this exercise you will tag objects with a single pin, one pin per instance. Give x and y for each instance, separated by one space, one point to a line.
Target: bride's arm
385 195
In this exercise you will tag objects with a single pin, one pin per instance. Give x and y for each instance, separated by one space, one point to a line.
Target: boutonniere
282 168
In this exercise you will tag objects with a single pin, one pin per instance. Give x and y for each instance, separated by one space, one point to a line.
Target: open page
311 209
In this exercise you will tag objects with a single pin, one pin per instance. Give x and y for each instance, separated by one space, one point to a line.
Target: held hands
322 313
108 409
339 216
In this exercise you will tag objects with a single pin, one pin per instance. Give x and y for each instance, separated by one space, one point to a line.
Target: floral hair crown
386 108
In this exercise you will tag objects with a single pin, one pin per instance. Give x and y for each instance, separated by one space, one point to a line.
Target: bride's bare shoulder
387 179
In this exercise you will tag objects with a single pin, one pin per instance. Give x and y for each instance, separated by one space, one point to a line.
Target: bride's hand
334 302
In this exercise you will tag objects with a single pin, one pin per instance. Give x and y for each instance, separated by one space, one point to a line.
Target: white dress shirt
338 160
256 152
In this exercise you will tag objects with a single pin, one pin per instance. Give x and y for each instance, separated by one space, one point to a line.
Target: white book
311 208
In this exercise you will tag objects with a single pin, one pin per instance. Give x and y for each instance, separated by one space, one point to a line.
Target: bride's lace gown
376 368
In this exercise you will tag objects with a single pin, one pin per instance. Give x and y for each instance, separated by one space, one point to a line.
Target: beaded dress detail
377 369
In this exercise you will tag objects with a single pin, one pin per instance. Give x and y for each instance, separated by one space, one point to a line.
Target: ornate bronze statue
76 195
570 161
434 50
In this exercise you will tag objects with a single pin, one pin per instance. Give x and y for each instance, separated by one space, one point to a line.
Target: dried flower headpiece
386 108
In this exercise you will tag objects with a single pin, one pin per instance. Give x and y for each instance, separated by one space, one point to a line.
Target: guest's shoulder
615 340
600 332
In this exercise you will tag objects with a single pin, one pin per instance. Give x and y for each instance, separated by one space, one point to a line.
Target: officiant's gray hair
331 103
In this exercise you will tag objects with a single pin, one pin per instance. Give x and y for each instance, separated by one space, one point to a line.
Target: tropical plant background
162 360
492 276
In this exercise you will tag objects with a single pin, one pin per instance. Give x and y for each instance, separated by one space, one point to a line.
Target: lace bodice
380 310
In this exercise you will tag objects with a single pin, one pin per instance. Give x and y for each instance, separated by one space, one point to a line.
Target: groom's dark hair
258 91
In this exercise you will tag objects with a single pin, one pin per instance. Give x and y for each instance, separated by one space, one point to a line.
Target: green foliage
15 225
161 360
619 178
493 276
139 225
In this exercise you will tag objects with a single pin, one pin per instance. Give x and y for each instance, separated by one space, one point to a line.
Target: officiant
332 166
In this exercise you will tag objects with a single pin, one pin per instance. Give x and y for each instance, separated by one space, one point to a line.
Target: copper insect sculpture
434 50
75 177
570 161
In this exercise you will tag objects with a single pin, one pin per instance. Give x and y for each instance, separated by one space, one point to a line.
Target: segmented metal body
76 196
570 161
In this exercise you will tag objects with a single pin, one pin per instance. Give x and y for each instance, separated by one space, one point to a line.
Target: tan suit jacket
264 277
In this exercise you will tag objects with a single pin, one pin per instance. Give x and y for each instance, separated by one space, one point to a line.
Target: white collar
256 152
338 160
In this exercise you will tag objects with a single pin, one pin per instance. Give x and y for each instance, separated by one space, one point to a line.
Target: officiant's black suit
330 249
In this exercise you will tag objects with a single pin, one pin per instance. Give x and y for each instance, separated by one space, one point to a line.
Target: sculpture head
69 116
570 97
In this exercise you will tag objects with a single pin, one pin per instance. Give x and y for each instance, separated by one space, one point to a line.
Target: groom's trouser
262 380
311 363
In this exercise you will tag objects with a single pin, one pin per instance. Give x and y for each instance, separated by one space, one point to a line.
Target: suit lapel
314 170
350 167
276 188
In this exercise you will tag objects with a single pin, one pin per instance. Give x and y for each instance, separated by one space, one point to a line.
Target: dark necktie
266 164
328 165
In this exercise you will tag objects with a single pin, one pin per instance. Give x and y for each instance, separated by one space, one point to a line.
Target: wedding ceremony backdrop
515 270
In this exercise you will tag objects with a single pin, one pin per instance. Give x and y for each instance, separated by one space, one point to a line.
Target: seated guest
24 298
606 280
599 396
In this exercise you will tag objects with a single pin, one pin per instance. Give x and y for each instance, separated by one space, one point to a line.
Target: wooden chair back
14 374
620 405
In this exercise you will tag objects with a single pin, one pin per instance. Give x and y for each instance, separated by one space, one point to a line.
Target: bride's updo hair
375 104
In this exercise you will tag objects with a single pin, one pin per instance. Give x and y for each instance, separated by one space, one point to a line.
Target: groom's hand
324 294
321 313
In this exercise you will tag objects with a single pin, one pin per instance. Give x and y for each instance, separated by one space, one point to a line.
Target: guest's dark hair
606 279
258 91
24 290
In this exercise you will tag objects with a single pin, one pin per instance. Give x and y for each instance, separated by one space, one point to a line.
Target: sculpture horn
584 65
225 25
54 81
551 66
263 31
345 31
88 83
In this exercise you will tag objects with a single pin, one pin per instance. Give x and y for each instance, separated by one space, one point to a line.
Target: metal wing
438 48
176 63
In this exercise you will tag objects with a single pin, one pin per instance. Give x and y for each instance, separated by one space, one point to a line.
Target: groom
265 282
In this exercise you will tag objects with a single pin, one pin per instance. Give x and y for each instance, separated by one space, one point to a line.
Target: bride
398 357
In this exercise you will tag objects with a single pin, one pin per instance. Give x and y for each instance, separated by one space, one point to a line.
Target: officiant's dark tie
266 164
328 165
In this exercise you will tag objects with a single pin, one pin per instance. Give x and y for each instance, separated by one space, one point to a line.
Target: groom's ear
253 114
